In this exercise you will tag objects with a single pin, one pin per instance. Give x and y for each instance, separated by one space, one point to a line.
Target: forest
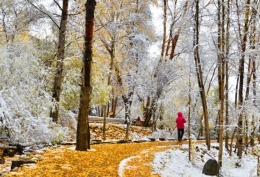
62 61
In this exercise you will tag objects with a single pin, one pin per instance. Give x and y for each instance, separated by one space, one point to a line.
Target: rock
19 163
152 139
140 141
124 141
9 152
19 149
211 168
162 139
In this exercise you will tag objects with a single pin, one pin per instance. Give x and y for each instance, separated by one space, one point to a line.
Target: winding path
103 160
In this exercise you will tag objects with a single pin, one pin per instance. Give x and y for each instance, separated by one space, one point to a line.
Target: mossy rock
211 168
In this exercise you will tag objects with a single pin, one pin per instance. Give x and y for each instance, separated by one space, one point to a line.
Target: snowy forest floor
148 159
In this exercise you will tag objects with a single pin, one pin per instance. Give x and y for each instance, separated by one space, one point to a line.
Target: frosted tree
16 16
135 51
24 101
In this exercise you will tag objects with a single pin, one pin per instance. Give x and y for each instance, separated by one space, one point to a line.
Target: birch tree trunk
221 74
83 132
127 103
57 87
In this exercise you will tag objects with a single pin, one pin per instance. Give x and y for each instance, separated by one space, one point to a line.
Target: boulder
211 168
19 163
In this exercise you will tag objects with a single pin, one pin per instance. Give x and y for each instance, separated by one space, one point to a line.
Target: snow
175 162
24 102
123 165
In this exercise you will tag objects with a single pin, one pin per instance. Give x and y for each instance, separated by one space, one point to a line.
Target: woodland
62 61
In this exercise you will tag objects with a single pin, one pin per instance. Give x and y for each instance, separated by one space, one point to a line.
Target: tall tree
199 73
241 80
161 78
253 57
58 79
227 35
165 3
83 132
221 73
110 46
136 51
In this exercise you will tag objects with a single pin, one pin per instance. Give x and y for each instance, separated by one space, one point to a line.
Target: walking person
180 121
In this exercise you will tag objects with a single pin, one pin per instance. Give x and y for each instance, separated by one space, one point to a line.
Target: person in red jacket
180 120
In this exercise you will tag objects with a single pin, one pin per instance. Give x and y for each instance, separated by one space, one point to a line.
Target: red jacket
180 120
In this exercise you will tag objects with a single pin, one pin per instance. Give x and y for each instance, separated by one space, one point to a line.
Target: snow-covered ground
175 163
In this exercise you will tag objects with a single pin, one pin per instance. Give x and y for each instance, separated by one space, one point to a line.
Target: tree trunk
111 50
114 105
189 116
174 43
241 82
255 105
149 111
200 74
57 87
83 132
104 123
164 38
173 39
164 26
252 47
127 103
221 74
248 81
146 113
227 76
258 165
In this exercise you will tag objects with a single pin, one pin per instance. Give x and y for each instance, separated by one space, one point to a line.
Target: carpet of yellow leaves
100 161
117 131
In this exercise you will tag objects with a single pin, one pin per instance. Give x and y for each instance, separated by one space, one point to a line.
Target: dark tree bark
57 87
83 132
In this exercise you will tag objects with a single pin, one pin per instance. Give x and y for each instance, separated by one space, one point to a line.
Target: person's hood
180 114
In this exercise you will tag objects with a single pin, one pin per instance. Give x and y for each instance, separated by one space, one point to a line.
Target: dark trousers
180 134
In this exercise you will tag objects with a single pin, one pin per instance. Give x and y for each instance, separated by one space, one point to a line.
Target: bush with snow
24 98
